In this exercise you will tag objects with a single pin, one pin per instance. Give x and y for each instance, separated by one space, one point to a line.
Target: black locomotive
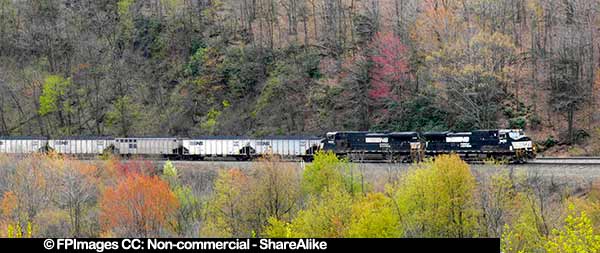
501 144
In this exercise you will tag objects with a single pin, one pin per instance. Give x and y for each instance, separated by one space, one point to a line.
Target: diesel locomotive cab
520 143
329 142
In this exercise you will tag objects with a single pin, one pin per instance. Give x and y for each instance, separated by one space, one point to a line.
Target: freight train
504 144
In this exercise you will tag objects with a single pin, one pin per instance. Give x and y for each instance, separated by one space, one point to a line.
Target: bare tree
76 192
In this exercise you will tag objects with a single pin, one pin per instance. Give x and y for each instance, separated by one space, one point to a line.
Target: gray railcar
287 146
22 145
215 146
81 146
147 146
244 147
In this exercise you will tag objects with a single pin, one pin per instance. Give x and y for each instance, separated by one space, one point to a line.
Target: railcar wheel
308 159
242 158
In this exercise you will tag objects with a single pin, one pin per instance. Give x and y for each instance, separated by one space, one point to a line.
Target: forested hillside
260 67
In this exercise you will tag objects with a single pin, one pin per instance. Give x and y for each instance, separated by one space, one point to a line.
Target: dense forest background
261 67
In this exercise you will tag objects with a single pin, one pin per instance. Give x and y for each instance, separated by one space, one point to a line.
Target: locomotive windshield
331 136
514 134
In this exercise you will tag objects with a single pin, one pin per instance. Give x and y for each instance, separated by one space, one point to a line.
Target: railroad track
586 161
567 160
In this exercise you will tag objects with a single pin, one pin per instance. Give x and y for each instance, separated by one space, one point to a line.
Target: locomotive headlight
522 144
415 145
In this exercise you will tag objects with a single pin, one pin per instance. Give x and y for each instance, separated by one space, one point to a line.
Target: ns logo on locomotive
505 144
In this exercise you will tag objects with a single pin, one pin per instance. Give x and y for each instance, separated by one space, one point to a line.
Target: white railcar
147 146
81 146
218 146
244 147
22 145
287 146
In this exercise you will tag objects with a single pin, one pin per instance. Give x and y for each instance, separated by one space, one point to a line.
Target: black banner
479 245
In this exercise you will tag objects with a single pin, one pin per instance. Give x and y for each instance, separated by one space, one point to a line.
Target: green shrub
550 142
535 121
518 122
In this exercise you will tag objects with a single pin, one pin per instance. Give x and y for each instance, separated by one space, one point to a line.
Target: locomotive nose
415 145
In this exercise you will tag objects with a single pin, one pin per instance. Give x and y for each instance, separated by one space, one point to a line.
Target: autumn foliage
50 196
390 70
139 205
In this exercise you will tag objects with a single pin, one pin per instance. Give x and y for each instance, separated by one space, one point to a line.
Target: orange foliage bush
138 205
135 166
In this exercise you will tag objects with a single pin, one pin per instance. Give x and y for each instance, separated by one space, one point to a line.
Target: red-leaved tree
389 72
138 206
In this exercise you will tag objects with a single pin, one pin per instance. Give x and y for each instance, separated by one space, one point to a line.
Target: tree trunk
570 114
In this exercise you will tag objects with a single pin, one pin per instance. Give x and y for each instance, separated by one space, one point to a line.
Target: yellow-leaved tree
374 216
577 235
327 216
329 207
335 206
243 203
436 199
523 234
227 211
328 171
